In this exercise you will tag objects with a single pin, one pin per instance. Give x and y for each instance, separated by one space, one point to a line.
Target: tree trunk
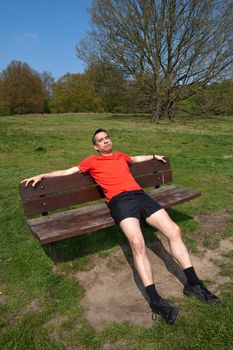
162 107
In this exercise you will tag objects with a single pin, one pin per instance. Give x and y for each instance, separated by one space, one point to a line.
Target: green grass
201 152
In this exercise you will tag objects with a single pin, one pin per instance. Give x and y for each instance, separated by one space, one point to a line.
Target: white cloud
26 36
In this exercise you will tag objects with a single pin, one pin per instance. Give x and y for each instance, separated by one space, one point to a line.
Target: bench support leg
53 251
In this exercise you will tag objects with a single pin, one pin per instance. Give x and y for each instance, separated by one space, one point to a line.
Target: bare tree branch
162 45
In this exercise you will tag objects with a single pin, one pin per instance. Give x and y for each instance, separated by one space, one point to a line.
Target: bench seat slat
176 197
84 220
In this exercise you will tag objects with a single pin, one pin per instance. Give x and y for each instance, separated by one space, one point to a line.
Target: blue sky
43 33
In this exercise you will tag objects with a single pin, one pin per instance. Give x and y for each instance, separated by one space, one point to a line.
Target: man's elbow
72 170
134 159
137 159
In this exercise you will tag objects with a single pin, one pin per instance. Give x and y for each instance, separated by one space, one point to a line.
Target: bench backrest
62 192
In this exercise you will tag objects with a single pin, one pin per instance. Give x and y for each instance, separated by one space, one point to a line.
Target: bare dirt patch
33 306
2 298
214 223
114 292
120 344
57 320
54 324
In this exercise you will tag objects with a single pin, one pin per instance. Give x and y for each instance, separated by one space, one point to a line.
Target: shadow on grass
78 248
88 244
103 240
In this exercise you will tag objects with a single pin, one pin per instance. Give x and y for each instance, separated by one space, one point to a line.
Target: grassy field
33 292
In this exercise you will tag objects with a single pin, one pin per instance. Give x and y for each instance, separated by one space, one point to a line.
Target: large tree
21 90
162 45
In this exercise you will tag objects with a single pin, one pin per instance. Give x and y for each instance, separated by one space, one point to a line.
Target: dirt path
114 292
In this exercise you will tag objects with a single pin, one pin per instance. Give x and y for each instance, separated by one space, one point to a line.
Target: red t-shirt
111 173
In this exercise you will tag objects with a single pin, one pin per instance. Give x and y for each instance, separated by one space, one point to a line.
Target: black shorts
137 204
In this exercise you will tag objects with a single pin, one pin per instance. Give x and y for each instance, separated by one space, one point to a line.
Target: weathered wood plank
56 184
62 200
82 195
175 198
84 220
149 166
79 180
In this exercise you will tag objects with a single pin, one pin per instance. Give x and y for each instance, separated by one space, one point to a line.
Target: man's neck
106 154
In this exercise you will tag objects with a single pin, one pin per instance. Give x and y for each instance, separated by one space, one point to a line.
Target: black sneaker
168 311
201 292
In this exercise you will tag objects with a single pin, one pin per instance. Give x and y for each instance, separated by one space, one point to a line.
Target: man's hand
34 180
162 158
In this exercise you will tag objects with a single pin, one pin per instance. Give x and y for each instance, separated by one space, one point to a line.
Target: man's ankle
153 294
191 276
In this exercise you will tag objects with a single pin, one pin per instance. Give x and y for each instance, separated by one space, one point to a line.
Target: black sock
153 294
191 276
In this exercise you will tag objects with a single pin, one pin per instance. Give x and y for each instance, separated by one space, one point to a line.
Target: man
129 204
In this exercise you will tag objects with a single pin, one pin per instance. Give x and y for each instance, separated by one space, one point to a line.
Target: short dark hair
96 132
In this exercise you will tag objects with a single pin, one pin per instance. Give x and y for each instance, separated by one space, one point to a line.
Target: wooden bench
67 191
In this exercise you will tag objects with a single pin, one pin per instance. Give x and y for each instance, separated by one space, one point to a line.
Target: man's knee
176 232
138 245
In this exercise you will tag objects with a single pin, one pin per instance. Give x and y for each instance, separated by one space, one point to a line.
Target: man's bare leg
162 221
132 230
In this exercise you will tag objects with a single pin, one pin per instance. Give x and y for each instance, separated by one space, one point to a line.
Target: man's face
103 144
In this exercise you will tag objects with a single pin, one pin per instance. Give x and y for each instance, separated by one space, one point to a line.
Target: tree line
101 88
152 56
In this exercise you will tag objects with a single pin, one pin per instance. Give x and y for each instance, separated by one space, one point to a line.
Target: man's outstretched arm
38 178
138 159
